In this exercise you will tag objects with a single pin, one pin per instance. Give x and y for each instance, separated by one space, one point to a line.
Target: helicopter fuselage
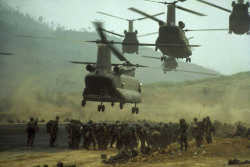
112 87
169 64
130 37
239 19
172 34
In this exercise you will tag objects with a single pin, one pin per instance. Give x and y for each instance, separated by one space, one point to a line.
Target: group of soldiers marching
128 136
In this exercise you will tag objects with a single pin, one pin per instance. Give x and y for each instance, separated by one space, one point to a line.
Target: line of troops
128 136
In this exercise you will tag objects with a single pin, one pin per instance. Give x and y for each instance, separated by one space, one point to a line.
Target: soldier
240 131
69 128
102 136
89 136
52 128
32 127
197 132
208 129
183 133
134 138
76 134
113 133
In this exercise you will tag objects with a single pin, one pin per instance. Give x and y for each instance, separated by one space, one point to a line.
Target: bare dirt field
14 152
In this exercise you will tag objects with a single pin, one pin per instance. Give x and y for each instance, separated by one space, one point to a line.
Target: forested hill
43 64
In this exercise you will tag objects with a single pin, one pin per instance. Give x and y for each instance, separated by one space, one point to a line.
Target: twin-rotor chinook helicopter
106 85
130 35
171 34
239 19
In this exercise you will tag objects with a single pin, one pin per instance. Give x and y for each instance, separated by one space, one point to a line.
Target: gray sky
220 51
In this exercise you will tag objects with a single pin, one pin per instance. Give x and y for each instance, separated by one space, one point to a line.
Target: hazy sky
220 51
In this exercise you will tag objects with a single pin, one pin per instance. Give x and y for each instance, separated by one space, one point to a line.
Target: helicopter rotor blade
157 2
149 44
147 34
112 16
190 11
60 39
113 33
216 6
79 62
151 57
142 18
117 53
186 30
4 53
146 15
98 26
195 72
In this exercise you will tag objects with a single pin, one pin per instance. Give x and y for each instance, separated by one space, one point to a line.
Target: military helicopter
130 35
174 36
171 34
239 19
106 85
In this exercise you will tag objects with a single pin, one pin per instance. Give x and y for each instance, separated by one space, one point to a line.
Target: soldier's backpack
32 127
49 125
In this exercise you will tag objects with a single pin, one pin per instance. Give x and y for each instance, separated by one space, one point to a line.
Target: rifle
199 115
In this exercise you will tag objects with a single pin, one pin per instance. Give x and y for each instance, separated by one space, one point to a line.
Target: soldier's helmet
182 120
195 119
90 122
57 117
208 118
31 119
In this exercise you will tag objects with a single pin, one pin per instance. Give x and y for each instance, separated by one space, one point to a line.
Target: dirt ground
16 154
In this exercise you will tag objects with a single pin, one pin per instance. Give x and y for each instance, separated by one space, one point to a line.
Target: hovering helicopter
172 40
170 33
130 35
239 19
170 64
106 85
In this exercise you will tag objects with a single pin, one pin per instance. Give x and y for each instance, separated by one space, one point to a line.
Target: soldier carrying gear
208 129
52 129
183 133
32 127
89 135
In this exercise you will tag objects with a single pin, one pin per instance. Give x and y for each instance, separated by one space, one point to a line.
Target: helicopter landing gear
135 110
112 104
101 108
83 103
229 32
163 58
121 105
188 60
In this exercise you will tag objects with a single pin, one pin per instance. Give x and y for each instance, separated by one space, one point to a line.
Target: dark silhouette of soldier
183 133
52 129
32 127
